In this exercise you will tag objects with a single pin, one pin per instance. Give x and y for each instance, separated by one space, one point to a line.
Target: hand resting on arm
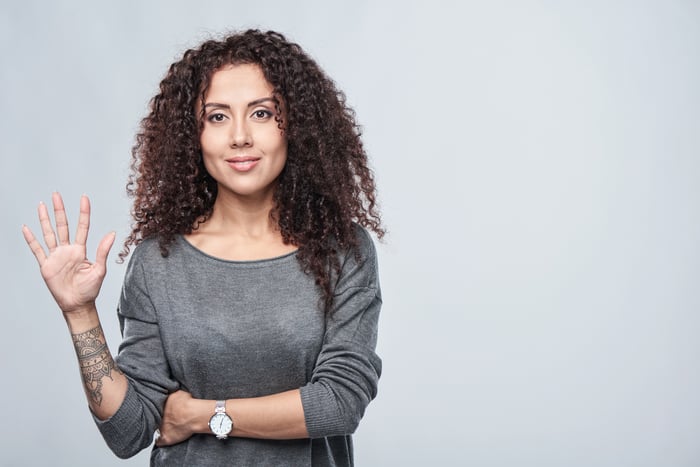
277 416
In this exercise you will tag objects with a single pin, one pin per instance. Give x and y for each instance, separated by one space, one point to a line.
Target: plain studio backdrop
539 171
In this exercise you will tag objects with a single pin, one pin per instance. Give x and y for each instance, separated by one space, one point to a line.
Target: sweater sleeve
347 371
142 359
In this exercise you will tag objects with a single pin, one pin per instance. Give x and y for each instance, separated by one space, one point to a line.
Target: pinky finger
34 245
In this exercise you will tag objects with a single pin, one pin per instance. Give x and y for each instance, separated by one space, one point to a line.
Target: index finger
81 234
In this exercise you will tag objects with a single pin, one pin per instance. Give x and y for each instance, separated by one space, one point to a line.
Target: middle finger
59 213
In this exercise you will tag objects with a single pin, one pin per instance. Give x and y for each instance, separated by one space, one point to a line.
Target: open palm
73 281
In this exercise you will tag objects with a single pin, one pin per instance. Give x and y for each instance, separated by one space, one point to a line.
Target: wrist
82 319
202 410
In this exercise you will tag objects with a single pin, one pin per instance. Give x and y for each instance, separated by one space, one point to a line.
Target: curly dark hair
325 186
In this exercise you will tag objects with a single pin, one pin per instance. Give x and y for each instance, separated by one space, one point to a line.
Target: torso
233 329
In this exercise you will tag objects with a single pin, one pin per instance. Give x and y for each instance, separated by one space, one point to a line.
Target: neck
247 216
240 229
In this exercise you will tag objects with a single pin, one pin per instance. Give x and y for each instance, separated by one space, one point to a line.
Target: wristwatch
220 423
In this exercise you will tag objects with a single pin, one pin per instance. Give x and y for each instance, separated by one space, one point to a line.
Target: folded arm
343 382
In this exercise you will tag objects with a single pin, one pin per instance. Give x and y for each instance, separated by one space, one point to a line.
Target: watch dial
220 424
226 424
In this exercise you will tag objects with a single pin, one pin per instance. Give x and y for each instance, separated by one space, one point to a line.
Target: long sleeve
347 371
232 329
142 359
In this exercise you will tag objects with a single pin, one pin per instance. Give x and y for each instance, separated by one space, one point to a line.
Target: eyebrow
250 104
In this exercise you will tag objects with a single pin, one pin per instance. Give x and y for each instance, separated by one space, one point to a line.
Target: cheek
282 155
208 141
209 152
282 147
214 139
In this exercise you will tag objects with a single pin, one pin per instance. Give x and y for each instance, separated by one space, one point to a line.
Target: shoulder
365 244
358 265
146 251
148 266
149 256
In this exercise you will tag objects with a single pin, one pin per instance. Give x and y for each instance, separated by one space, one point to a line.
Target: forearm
104 384
276 416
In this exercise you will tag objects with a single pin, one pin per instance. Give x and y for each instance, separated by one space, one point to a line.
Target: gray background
538 165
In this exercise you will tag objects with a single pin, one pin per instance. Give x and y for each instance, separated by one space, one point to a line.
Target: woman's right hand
73 281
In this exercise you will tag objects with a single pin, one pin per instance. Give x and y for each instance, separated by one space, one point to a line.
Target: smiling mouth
243 164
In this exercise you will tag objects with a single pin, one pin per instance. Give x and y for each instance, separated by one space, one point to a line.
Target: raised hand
73 281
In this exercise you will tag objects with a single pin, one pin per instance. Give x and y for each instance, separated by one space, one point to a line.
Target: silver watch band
220 421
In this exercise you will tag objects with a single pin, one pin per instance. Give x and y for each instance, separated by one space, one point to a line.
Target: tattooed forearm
95 361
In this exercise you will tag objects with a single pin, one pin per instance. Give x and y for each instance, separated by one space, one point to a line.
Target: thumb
103 249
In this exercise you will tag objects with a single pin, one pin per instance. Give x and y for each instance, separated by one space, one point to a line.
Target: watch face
220 424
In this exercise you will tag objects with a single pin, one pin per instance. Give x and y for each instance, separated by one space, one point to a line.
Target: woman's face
242 147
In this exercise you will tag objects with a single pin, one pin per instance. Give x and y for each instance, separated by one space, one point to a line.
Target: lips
243 163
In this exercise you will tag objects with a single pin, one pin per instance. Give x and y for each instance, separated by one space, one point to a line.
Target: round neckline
251 262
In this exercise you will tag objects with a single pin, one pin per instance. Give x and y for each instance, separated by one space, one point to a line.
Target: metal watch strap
220 407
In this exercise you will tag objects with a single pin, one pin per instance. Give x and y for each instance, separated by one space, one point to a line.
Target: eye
262 114
216 117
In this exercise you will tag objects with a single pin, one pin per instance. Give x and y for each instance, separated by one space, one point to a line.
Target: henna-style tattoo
95 361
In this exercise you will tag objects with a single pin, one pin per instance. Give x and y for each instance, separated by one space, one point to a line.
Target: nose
240 134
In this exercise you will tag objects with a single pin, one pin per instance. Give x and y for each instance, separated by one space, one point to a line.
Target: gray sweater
231 329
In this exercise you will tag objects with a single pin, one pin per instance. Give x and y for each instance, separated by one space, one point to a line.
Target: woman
250 303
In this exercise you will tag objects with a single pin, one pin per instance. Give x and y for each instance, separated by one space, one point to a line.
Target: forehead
234 83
